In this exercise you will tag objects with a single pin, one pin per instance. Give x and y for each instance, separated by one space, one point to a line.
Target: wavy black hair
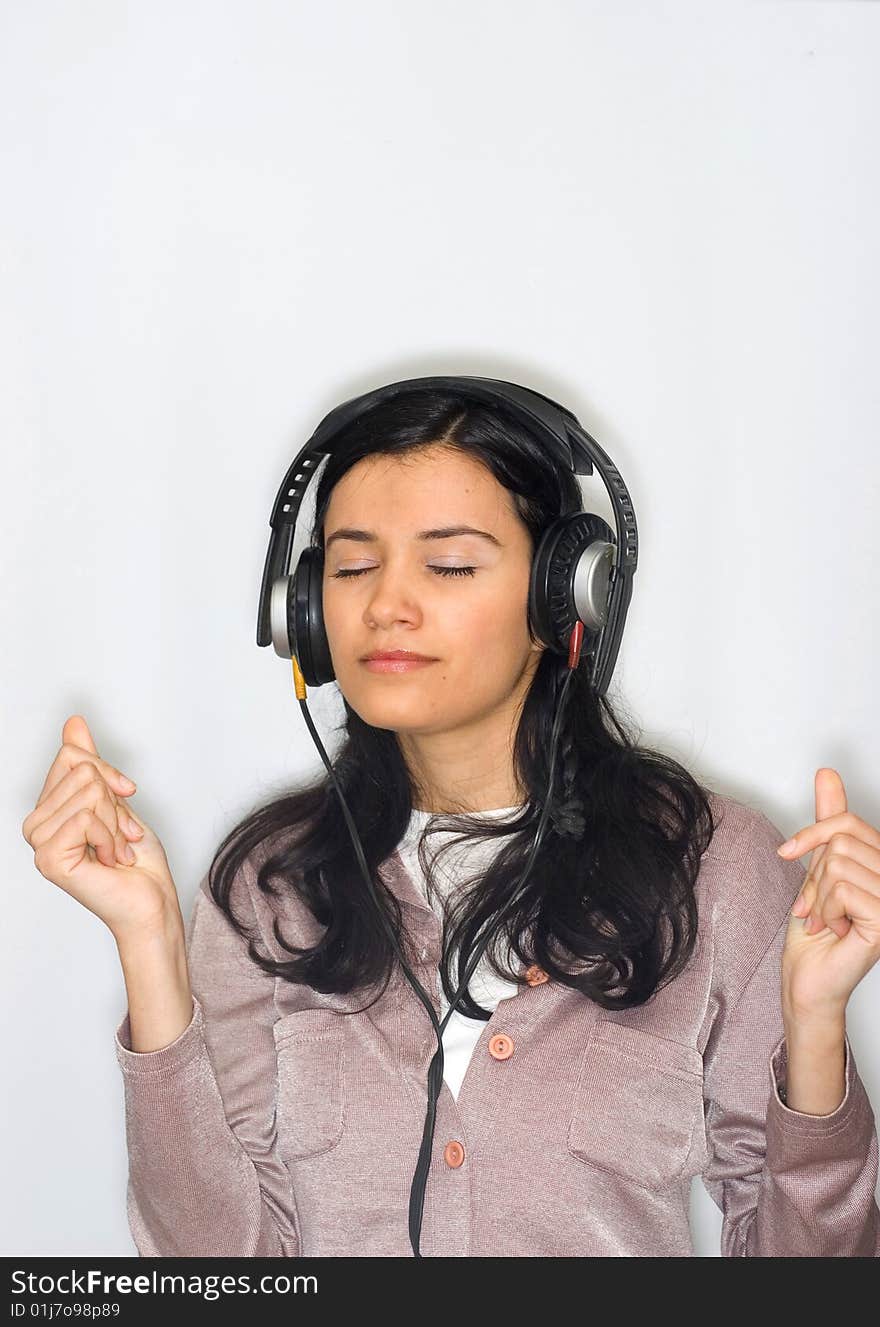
609 908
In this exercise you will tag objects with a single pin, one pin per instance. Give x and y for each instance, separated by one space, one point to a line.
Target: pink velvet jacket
275 1126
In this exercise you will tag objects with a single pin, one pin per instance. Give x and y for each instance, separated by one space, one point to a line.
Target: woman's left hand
824 961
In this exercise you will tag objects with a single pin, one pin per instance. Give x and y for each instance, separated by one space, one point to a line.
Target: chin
389 711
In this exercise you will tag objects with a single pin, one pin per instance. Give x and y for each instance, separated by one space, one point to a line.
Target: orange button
536 975
501 1046
453 1154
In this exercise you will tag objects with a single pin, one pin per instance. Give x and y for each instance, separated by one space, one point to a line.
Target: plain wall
222 220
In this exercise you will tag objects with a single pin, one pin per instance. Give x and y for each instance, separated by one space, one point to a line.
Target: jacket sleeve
789 1184
204 1177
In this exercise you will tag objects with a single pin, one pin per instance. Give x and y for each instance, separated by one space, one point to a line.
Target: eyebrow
446 532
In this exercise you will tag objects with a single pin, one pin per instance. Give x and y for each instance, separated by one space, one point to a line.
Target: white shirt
460 1034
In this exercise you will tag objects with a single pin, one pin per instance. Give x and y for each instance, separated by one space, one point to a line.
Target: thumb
830 793
76 731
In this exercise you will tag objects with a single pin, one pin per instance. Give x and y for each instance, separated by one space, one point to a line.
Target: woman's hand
825 960
80 831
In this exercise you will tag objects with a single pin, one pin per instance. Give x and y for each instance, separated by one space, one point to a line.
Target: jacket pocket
310 1108
638 1106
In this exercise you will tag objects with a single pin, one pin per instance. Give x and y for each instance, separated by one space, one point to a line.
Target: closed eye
439 571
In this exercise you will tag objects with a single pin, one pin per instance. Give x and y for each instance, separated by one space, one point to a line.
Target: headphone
580 586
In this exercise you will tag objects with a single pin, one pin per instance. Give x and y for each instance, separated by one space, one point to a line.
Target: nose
390 597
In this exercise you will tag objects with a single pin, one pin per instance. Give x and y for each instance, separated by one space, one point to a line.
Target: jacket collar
402 886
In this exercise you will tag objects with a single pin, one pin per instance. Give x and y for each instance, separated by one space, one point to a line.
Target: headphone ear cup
569 579
305 618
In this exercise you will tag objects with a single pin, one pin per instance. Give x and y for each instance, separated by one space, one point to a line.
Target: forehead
433 481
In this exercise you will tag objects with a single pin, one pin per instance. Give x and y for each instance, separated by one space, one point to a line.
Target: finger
76 735
126 823
847 847
847 902
76 731
70 844
830 793
838 867
840 850
805 898
95 797
842 847
77 778
87 790
830 801
839 925
136 827
811 836
71 756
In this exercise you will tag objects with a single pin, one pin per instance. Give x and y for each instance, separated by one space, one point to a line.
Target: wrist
166 928
816 1063
813 1023
814 1034
157 984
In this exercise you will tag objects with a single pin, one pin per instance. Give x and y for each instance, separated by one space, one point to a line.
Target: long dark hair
609 907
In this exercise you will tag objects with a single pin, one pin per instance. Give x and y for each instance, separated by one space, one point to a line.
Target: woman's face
408 596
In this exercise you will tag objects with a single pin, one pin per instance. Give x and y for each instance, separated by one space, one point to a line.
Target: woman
639 1015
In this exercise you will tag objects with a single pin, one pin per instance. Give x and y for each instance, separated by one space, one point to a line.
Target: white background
220 220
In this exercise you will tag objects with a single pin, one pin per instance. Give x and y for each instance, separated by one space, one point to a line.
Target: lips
396 662
403 655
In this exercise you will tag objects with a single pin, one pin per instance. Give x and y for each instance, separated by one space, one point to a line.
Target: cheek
487 649
495 610
334 619
343 619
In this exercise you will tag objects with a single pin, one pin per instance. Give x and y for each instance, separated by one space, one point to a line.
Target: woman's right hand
79 834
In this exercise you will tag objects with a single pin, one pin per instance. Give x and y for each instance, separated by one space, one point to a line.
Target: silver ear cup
592 575
281 589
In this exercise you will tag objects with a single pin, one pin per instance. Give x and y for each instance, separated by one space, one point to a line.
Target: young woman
648 999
